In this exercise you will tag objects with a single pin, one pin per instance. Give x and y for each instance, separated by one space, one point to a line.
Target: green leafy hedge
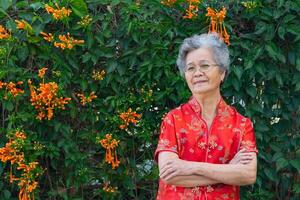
136 43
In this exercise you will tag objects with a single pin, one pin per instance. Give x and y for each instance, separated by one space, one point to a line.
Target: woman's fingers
245 162
171 175
167 169
245 158
166 166
164 171
242 157
168 173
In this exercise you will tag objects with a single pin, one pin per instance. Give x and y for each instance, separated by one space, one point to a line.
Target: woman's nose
198 72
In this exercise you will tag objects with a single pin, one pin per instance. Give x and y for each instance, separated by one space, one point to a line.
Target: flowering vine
108 188
58 13
42 72
84 100
192 9
146 94
11 87
4 34
21 24
12 152
47 36
24 25
98 75
129 117
168 2
85 21
216 23
250 4
45 98
110 144
66 41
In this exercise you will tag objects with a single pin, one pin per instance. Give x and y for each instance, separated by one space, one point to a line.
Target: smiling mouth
199 82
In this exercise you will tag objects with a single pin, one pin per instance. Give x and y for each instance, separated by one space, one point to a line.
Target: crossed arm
241 170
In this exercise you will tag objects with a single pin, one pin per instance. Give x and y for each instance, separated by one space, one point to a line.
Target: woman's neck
208 104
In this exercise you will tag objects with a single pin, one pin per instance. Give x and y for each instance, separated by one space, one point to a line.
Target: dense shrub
111 70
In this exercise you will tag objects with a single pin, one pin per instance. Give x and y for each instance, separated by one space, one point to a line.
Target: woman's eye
191 68
204 66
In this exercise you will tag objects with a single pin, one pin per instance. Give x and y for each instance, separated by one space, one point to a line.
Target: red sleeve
248 140
167 139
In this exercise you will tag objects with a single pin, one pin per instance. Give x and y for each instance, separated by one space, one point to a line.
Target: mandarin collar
221 107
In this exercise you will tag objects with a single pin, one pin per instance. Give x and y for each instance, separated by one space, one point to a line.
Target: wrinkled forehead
198 62
203 55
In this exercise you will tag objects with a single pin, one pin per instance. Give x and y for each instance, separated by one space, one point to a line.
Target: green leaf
297 86
281 57
298 64
121 69
115 2
296 164
6 194
21 4
36 5
281 163
79 7
272 50
251 91
112 65
86 57
249 63
260 28
238 71
279 79
260 68
83 85
270 173
8 105
258 52
129 28
288 18
294 29
280 3
296 188
259 126
23 52
90 40
281 32
236 84
5 4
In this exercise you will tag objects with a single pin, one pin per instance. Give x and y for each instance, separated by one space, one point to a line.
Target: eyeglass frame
201 69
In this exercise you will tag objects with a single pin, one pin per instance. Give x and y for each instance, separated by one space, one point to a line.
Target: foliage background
136 43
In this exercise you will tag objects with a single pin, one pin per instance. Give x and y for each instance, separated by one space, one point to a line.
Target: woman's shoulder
239 116
182 109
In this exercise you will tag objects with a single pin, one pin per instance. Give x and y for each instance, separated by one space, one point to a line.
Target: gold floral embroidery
225 196
209 189
202 145
247 144
212 141
195 125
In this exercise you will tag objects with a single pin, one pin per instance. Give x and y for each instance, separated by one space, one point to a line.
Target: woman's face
202 74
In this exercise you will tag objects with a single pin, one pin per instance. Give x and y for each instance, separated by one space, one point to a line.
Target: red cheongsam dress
185 133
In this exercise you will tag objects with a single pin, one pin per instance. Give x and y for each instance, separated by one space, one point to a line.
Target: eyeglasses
191 69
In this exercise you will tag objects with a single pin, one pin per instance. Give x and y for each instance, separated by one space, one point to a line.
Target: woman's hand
242 157
175 167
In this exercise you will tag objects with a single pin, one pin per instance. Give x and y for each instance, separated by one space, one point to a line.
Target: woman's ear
223 74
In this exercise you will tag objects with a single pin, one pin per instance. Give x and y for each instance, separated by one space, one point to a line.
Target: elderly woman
206 149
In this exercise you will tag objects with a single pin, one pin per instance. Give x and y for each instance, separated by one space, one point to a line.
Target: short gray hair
209 40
